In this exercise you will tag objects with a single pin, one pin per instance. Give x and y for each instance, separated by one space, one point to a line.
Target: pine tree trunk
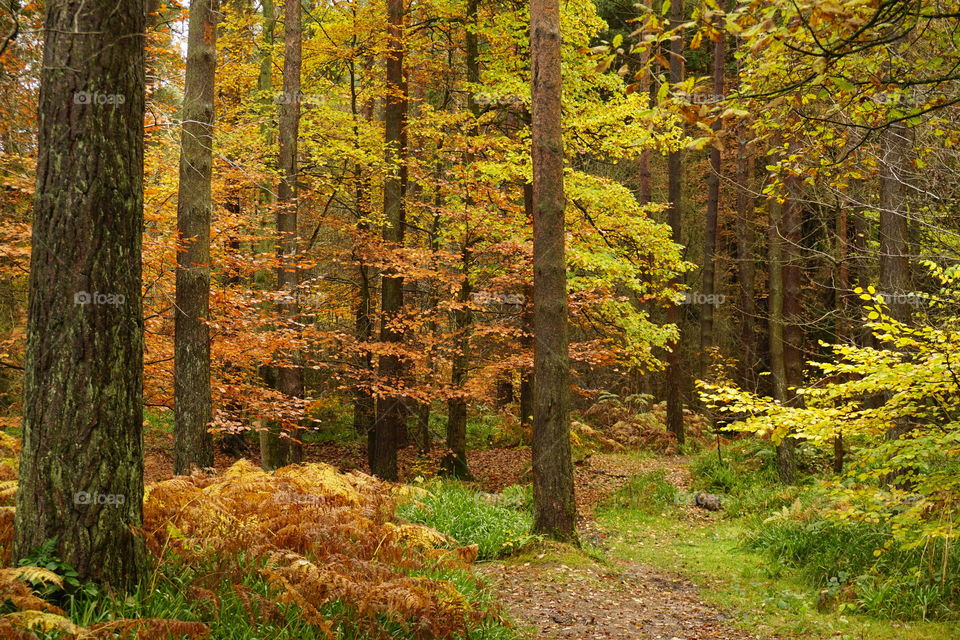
713 207
553 497
674 373
193 444
391 412
81 467
289 377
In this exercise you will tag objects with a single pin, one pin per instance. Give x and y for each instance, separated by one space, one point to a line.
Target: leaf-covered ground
565 595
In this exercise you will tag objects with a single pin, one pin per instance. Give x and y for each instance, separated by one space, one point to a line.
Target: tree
81 468
391 412
675 373
193 444
289 381
554 504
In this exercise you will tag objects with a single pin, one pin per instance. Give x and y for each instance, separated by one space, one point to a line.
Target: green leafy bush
649 492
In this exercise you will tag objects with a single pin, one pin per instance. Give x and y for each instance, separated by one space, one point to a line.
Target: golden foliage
321 537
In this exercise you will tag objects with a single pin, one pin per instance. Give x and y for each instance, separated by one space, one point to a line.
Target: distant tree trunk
456 463
81 467
391 412
674 373
192 443
364 407
786 459
289 377
713 208
554 505
894 243
746 268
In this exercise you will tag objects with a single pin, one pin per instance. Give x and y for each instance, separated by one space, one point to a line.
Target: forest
480 319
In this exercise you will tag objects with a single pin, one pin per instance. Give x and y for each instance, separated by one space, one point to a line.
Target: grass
777 579
498 524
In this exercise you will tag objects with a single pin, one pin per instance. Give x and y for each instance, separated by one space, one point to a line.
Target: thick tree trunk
290 377
674 373
391 412
553 498
713 208
193 444
894 243
81 467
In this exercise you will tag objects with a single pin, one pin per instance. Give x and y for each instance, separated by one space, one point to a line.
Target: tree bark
785 462
894 244
674 373
290 376
391 412
746 269
713 206
553 497
192 443
81 467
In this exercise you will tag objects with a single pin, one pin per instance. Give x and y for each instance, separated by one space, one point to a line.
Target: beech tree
193 444
81 467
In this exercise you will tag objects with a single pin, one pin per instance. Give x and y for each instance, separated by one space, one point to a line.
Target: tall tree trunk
786 462
746 268
192 443
713 206
894 253
554 511
456 462
674 373
391 412
81 467
289 377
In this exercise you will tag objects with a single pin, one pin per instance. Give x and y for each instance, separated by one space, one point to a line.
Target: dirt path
623 601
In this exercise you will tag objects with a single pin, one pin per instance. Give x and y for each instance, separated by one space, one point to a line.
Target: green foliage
45 557
497 523
649 493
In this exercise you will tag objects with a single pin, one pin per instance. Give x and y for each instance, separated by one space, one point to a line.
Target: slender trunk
81 466
391 412
192 443
289 376
674 373
746 269
713 207
786 463
553 497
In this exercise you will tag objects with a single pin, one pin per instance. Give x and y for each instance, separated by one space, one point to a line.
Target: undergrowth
498 524
302 552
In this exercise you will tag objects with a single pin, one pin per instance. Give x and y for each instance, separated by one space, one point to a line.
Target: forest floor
557 594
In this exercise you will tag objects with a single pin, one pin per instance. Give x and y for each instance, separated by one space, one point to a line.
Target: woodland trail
621 600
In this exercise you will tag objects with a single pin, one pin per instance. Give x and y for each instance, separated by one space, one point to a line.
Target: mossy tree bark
81 468
553 497
193 444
